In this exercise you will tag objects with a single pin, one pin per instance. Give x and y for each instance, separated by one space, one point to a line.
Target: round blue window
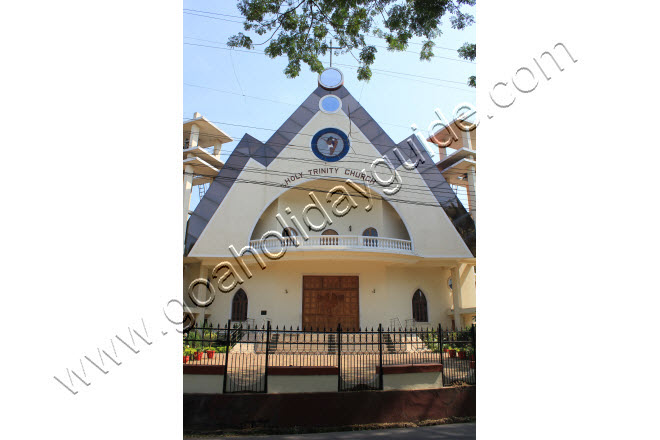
330 144
330 104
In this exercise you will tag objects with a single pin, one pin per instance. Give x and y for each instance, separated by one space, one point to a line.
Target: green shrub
193 339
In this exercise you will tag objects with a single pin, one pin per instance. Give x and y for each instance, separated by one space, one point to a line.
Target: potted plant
462 353
187 351
452 352
210 351
198 355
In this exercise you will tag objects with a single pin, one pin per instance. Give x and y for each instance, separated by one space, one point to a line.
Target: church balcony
336 243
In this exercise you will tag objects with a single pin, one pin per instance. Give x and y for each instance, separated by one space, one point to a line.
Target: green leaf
299 29
364 73
240 40
427 51
468 51
368 55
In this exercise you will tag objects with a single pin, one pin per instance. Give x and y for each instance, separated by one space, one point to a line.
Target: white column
472 178
472 192
188 178
194 135
216 150
456 294
467 140
187 190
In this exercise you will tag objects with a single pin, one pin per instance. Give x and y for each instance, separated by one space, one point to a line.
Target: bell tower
202 142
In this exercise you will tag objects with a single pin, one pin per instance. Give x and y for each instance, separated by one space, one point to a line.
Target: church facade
329 222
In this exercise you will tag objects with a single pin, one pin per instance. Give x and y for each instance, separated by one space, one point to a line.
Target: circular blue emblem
330 144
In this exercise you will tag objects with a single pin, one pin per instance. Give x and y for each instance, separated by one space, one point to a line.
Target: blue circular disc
330 144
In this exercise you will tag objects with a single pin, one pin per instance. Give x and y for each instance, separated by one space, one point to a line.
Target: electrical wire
413 188
276 101
367 160
378 71
192 11
301 188
294 133
375 45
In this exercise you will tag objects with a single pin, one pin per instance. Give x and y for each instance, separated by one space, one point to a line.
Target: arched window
420 310
370 232
328 237
289 234
239 306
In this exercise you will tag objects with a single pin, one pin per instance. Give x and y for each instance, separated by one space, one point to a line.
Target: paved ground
458 431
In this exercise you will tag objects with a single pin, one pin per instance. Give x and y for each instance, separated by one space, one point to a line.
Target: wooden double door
329 300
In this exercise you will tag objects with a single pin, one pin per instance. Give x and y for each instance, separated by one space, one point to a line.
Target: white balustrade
333 242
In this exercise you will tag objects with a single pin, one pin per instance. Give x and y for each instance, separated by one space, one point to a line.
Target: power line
363 163
297 133
214 18
382 72
413 188
193 11
379 71
375 45
276 101
300 188
239 94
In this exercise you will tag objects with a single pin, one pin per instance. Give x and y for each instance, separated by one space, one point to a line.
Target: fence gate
247 361
459 356
359 355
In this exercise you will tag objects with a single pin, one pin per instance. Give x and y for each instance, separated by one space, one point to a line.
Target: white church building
329 222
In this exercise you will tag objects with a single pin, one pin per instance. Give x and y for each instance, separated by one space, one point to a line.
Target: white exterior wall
381 216
412 381
302 384
395 285
468 293
203 383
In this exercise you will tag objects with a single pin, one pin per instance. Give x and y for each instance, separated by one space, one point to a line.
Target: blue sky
393 99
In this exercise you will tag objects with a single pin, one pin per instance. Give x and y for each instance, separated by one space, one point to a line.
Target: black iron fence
248 351
459 356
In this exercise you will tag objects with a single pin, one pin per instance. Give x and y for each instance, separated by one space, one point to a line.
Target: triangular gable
265 153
